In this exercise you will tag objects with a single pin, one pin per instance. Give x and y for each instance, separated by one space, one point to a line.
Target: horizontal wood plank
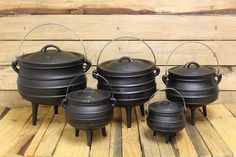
8 81
146 27
162 49
116 7
12 98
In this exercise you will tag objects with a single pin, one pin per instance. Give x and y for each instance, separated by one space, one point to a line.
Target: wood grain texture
130 137
9 78
50 139
10 126
212 139
166 149
72 146
184 146
146 27
162 49
146 137
116 7
226 127
24 138
39 135
231 108
197 141
116 134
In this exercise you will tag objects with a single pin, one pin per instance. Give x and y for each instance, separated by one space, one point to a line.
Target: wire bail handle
194 42
125 37
76 77
185 108
52 24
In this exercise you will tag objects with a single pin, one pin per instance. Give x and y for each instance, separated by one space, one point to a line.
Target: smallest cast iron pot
166 117
89 110
198 84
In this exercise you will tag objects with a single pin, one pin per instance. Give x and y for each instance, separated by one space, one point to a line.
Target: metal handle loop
67 90
169 89
125 37
47 24
194 42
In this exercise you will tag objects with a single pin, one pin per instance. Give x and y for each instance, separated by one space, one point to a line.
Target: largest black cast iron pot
132 80
43 76
198 84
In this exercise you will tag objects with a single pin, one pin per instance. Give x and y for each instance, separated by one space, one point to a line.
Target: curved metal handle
88 64
53 24
169 89
44 49
125 37
193 42
64 101
96 75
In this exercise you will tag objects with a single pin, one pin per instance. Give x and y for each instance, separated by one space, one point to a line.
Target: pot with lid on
43 76
89 109
198 84
132 80
166 117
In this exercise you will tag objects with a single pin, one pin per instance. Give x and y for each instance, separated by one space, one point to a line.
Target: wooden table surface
214 135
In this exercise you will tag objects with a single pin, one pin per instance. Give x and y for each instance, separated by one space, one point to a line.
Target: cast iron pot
198 84
132 80
43 76
166 117
89 109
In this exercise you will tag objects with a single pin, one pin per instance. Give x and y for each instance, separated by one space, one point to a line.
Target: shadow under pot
132 80
89 110
198 84
166 118
44 76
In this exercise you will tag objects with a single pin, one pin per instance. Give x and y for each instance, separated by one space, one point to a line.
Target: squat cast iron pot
132 80
43 76
198 84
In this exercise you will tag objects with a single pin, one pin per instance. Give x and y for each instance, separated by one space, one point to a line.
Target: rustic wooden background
163 24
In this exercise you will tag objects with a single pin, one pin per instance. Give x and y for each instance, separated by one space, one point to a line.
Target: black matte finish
132 81
44 76
89 109
166 118
198 85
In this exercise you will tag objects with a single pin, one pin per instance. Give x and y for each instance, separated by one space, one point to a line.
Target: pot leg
204 110
34 113
167 138
89 137
104 133
142 109
154 133
56 109
193 115
76 132
128 116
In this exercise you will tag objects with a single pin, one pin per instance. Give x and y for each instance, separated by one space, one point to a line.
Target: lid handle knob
188 65
124 59
44 49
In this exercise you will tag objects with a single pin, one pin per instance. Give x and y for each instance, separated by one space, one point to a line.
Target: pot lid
54 56
192 69
89 95
165 107
126 65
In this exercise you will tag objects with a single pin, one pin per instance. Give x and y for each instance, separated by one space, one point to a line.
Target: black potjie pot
132 80
198 84
89 109
166 117
44 76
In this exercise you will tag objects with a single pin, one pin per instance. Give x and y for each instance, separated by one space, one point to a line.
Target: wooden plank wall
163 24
